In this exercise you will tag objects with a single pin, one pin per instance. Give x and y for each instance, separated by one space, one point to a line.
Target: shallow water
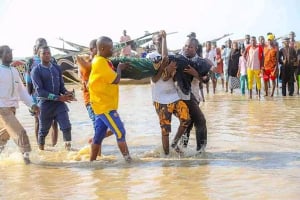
253 152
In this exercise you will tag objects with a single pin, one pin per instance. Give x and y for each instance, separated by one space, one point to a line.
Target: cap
271 37
292 33
192 34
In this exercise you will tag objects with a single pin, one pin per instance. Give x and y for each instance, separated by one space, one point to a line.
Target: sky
23 21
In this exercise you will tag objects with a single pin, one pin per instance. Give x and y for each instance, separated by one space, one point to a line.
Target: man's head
45 54
247 39
39 43
105 47
286 41
124 32
208 45
192 35
6 54
228 43
261 40
292 35
253 41
93 47
190 47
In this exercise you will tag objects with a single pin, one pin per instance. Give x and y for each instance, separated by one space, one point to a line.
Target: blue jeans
244 81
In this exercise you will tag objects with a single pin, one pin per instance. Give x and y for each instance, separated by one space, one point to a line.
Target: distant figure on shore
287 58
126 51
255 57
270 67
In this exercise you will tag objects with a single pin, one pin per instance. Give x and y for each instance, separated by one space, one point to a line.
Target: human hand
190 70
35 109
164 62
163 34
123 66
71 94
171 68
66 98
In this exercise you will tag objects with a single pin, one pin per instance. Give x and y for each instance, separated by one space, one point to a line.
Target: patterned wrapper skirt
234 82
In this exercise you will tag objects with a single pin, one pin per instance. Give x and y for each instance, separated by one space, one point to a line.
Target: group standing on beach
176 90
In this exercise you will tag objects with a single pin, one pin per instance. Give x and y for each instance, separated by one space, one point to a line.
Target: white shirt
12 89
163 92
253 58
211 55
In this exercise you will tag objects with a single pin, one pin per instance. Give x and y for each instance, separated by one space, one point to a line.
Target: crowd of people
238 65
249 63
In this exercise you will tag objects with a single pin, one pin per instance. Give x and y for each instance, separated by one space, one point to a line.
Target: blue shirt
49 84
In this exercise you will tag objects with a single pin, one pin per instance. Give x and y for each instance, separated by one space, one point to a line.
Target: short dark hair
43 48
2 49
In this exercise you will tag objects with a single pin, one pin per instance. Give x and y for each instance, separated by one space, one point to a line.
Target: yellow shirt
104 96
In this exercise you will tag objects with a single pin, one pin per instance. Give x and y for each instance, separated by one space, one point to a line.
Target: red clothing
219 60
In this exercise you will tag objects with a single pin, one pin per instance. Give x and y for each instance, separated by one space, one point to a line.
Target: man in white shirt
12 91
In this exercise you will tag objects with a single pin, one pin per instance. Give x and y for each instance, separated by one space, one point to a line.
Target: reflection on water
253 152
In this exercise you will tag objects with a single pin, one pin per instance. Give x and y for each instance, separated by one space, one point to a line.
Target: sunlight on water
252 153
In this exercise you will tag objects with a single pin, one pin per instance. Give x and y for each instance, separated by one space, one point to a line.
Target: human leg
257 77
54 132
250 76
100 129
199 123
182 112
113 121
62 119
11 127
164 113
36 127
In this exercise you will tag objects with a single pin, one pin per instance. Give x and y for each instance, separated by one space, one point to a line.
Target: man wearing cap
270 64
287 58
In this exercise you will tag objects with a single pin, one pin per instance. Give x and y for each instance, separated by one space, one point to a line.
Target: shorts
109 120
253 74
268 74
165 111
219 75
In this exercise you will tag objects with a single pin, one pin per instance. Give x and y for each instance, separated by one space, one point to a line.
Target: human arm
24 96
42 93
28 81
120 67
161 69
192 71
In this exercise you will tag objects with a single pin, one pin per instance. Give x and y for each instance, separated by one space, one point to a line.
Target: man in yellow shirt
104 98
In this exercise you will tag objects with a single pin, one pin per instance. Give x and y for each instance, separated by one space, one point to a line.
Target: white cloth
243 65
163 92
12 89
253 59
196 89
211 55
